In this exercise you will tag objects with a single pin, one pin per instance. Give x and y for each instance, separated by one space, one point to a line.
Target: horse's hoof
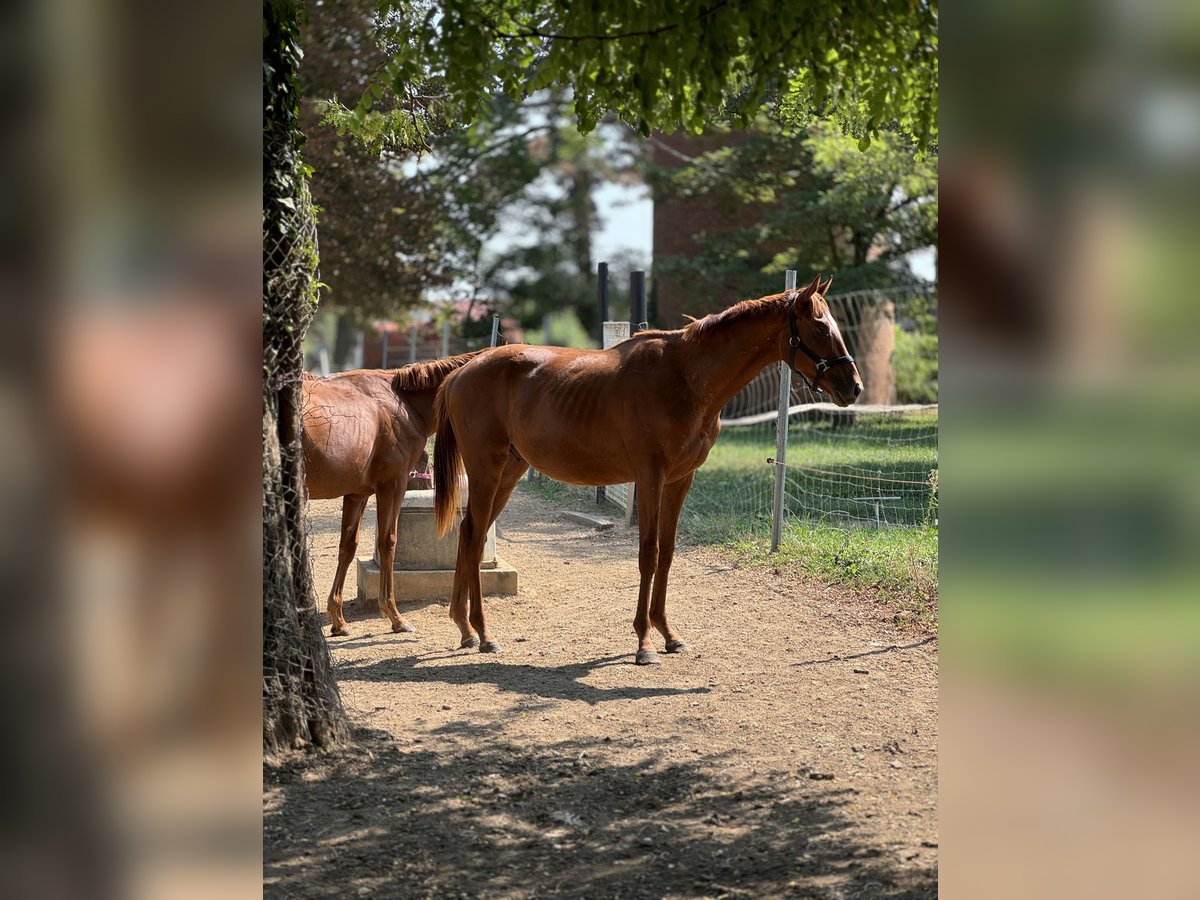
398 627
469 643
490 647
338 631
678 647
646 658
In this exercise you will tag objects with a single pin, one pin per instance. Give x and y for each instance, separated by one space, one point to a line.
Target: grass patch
897 565
830 532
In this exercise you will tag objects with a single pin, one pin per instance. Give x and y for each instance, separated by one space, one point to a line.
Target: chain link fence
301 703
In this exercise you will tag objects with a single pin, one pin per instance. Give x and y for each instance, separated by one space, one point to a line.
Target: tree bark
302 708
876 339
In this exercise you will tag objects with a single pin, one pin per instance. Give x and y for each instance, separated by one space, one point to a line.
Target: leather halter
823 364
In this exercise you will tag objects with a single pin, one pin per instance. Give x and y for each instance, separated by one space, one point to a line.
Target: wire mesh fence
873 465
301 704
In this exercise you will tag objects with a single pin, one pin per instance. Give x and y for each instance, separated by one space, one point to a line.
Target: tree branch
653 32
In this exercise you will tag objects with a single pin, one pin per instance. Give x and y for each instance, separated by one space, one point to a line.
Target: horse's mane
769 303
428 376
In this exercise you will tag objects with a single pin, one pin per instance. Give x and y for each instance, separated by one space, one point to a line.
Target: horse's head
814 348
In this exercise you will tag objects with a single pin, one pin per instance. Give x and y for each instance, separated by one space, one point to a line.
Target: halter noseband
822 363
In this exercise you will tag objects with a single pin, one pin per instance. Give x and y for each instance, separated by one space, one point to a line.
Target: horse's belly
579 467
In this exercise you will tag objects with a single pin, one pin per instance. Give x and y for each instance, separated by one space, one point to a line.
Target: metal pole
601 299
446 338
383 357
637 301
495 330
602 315
412 345
781 434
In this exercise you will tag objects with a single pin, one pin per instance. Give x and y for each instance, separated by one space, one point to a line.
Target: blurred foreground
131 447
1071 473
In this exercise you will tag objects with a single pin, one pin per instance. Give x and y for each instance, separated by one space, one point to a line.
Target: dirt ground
793 752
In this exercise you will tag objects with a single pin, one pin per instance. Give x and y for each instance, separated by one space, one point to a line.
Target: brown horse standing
646 410
364 431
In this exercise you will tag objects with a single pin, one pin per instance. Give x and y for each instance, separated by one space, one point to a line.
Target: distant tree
817 204
383 240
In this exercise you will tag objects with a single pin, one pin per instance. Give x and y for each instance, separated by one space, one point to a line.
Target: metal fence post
412 345
602 315
601 300
495 330
446 338
781 434
637 301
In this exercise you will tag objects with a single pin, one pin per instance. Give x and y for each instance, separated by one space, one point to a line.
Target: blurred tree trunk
301 705
876 339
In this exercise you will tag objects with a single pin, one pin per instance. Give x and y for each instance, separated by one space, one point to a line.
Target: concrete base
498 580
424 565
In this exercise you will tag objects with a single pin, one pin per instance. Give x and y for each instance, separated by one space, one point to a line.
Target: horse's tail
447 468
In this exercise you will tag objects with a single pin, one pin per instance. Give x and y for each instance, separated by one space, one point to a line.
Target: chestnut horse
646 411
363 432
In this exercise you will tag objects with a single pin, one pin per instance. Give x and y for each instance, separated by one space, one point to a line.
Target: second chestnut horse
363 433
646 411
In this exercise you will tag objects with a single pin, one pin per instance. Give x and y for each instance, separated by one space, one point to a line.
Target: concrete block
424 567
433 584
419 548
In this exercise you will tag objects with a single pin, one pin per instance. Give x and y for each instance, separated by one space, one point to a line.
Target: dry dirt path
793 752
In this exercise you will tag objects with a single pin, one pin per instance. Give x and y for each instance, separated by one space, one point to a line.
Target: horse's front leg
649 496
352 510
668 521
389 498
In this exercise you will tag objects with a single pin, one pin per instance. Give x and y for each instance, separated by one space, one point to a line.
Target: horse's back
574 414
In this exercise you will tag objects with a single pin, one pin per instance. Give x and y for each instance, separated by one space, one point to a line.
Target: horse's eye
822 329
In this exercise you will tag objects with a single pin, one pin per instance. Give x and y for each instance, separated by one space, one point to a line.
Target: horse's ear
813 286
824 289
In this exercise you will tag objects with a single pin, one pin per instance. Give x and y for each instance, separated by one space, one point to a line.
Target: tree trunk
876 339
301 705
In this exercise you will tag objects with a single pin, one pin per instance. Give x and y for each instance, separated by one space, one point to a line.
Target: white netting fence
872 465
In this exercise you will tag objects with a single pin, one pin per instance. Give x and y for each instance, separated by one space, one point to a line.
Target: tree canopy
656 64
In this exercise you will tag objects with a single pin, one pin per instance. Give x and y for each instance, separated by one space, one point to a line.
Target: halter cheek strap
822 363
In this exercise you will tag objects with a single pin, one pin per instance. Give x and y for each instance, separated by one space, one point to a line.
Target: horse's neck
726 358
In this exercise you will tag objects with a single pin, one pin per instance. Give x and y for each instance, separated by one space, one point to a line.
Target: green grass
829 533
896 565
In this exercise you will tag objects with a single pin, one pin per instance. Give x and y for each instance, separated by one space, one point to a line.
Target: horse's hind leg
389 499
483 478
668 521
352 510
514 468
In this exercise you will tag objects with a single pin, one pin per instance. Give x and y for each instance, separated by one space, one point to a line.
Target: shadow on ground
548 682
492 819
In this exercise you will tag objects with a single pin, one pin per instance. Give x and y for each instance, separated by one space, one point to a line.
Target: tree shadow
890 649
524 679
567 819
